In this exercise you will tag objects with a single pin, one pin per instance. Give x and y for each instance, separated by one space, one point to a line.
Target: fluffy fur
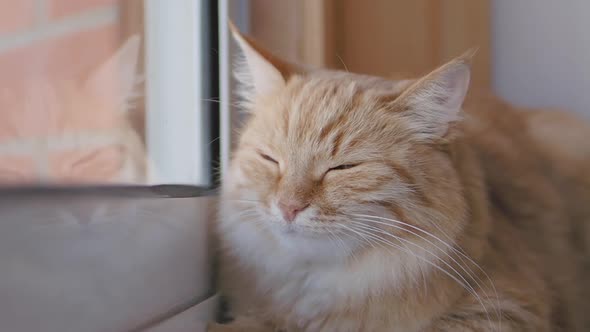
419 211
73 132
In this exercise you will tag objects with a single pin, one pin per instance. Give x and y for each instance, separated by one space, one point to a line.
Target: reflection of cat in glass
73 132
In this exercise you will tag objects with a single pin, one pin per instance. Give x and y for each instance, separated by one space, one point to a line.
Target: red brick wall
56 38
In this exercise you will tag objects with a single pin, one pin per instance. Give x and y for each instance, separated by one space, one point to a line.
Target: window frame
182 91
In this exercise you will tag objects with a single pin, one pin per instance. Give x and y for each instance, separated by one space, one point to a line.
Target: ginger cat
358 203
71 131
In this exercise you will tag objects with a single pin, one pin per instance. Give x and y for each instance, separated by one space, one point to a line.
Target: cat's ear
433 102
262 72
117 77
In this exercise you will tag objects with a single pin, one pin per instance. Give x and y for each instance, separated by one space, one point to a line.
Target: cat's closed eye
342 167
267 157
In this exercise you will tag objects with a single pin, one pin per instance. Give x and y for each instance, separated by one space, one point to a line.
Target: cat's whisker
242 200
252 208
363 237
352 252
463 282
352 230
250 204
462 254
461 265
251 211
342 61
400 248
370 238
331 237
217 101
214 140
348 228
469 273
404 249
339 243
380 231
450 247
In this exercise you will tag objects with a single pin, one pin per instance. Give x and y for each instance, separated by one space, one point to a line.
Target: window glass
75 96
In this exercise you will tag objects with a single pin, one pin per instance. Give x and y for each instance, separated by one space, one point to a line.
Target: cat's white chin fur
309 276
293 245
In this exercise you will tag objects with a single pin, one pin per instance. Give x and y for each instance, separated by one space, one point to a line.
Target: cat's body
360 204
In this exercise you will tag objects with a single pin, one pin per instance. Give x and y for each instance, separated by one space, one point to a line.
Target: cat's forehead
326 97
324 110
326 93
318 83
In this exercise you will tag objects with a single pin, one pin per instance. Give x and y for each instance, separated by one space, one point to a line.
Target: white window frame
177 130
177 127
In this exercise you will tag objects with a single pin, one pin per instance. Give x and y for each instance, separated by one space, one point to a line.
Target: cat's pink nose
290 209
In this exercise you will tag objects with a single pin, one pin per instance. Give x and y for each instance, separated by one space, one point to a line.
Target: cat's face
328 159
66 132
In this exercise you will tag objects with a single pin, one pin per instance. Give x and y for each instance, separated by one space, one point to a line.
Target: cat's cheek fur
283 263
267 235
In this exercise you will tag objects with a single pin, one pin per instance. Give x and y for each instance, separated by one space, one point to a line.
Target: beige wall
301 31
381 37
541 53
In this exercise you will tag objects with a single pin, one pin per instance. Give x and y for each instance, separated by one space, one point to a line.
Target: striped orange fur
415 209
